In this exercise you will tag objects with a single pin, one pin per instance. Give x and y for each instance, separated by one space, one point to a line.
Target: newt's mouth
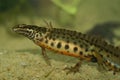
18 30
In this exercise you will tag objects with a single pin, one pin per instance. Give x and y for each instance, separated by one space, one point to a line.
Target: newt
85 47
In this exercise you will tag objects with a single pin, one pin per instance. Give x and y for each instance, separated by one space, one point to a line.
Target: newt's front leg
45 56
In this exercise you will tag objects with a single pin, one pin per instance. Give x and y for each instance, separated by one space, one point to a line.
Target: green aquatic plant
70 6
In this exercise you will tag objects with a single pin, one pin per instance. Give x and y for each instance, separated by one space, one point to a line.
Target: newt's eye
37 35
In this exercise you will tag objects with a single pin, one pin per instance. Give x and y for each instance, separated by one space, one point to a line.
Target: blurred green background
80 15
96 17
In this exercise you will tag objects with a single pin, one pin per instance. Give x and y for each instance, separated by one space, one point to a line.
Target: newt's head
30 31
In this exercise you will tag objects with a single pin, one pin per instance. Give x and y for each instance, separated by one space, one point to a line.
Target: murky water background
20 58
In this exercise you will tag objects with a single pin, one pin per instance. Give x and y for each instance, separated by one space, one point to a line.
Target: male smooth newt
71 43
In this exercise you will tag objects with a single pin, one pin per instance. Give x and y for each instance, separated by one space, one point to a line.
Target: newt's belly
65 48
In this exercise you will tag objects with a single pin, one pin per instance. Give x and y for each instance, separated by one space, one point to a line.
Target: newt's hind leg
73 69
45 56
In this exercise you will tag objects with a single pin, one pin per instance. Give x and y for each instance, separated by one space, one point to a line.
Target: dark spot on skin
63 33
57 36
67 41
100 50
106 50
75 49
111 52
109 64
67 51
119 69
46 36
108 55
74 32
53 35
49 48
75 43
58 32
114 73
72 38
66 46
36 35
86 49
116 55
94 59
46 41
105 61
115 67
87 41
77 37
52 44
86 56
50 37
62 53
63 36
67 37
83 35
85 45
101 56
81 53
79 41
59 45
110 69
92 50
94 40
81 45
53 39
79 33
92 44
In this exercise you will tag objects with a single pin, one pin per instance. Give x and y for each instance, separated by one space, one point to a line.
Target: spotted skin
72 43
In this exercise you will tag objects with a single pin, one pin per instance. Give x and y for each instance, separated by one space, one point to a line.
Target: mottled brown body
72 43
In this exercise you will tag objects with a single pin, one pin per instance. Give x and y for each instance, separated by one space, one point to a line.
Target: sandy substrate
29 65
